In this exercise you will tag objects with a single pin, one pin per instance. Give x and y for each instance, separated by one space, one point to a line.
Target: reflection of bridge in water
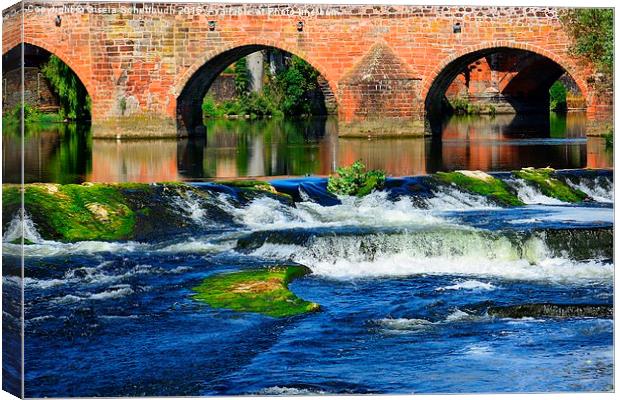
280 147
147 73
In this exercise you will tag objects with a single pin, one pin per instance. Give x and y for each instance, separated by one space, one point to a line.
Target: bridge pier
141 126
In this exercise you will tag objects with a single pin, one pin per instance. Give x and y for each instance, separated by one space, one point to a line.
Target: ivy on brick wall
592 31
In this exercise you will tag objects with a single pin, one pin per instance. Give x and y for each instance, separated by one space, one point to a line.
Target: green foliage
491 187
609 139
263 291
550 186
253 105
462 106
11 120
290 92
355 180
210 108
74 100
592 31
557 97
242 77
293 87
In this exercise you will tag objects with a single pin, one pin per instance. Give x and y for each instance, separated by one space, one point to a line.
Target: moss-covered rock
263 291
99 211
73 212
249 184
549 185
483 184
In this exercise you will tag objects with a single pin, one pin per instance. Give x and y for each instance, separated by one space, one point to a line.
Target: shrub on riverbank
288 92
461 106
355 180
11 120
557 97
609 139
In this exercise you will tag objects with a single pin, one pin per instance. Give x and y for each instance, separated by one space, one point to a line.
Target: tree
592 31
73 97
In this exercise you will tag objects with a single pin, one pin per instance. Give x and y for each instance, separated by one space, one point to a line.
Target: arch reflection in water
274 147
270 147
506 142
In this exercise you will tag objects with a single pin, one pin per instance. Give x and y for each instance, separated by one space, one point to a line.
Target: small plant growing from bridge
355 180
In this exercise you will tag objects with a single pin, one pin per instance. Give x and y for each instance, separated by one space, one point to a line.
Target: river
405 276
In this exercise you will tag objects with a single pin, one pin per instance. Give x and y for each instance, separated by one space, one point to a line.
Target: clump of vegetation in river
592 31
73 97
263 291
355 180
483 184
557 97
549 185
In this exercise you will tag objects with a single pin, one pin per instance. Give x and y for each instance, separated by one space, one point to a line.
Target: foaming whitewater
266 213
600 189
462 252
468 285
188 204
453 199
17 229
530 194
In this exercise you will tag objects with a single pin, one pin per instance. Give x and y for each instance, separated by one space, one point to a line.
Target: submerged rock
263 291
549 185
549 310
478 182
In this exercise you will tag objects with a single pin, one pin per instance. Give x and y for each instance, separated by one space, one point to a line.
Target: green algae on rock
263 291
549 185
481 183
249 184
73 212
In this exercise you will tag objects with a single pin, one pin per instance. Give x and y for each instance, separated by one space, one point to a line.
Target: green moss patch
263 291
249 184
74 212
550 186
485 185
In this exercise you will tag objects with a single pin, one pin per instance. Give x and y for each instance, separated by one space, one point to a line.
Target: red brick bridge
147 66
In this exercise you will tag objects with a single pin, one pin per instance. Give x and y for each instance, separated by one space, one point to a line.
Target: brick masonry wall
37 91
148 58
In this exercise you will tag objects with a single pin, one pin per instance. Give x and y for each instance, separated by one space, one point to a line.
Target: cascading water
405 278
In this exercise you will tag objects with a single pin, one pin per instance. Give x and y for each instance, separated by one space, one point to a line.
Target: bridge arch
550 67
193 84
82 72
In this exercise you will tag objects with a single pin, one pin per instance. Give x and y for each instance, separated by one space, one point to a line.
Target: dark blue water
400 312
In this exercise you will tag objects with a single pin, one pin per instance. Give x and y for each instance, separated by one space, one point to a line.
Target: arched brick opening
527 89
34 56
191 90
